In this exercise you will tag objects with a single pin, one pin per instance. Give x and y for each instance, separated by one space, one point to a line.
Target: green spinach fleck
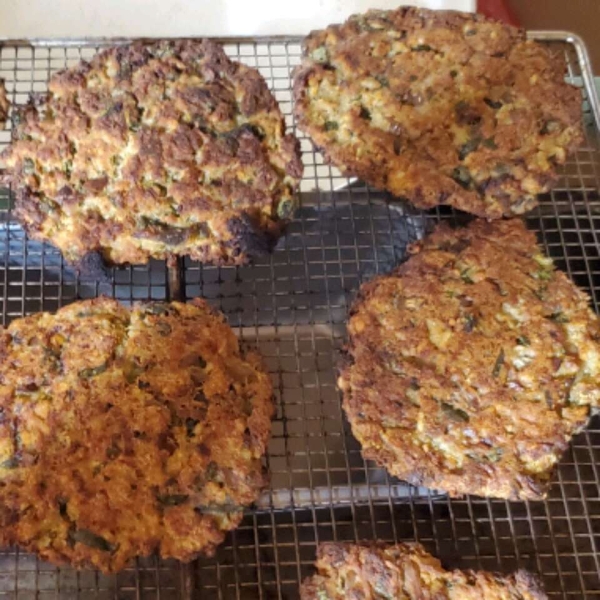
91 539
499 363
454 413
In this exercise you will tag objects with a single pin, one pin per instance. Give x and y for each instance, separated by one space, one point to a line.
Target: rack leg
176 280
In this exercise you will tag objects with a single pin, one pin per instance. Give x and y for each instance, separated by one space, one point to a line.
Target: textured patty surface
127 431
439 107
155 151
372 571
472 365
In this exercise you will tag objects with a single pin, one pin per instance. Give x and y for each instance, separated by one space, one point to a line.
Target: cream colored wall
77 18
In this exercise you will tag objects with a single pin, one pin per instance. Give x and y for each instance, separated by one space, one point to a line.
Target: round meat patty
439 107
373 571
127 431
472 365
155 151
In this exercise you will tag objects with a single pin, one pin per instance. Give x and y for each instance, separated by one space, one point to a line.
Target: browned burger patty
472 365
155 151
127 431
439 107
373 571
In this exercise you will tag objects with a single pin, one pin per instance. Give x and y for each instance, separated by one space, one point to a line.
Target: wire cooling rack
292 306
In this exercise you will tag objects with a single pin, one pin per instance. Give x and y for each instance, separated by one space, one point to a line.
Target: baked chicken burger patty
439 107
471 366
373 571
127 431
159 150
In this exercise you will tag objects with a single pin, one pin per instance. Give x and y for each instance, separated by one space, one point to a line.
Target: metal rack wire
292 306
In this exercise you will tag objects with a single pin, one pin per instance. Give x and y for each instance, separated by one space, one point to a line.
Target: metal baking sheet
292 305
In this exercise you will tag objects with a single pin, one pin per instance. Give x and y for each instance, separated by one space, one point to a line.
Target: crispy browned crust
156 151
439 107
372 571
471 366
127 431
